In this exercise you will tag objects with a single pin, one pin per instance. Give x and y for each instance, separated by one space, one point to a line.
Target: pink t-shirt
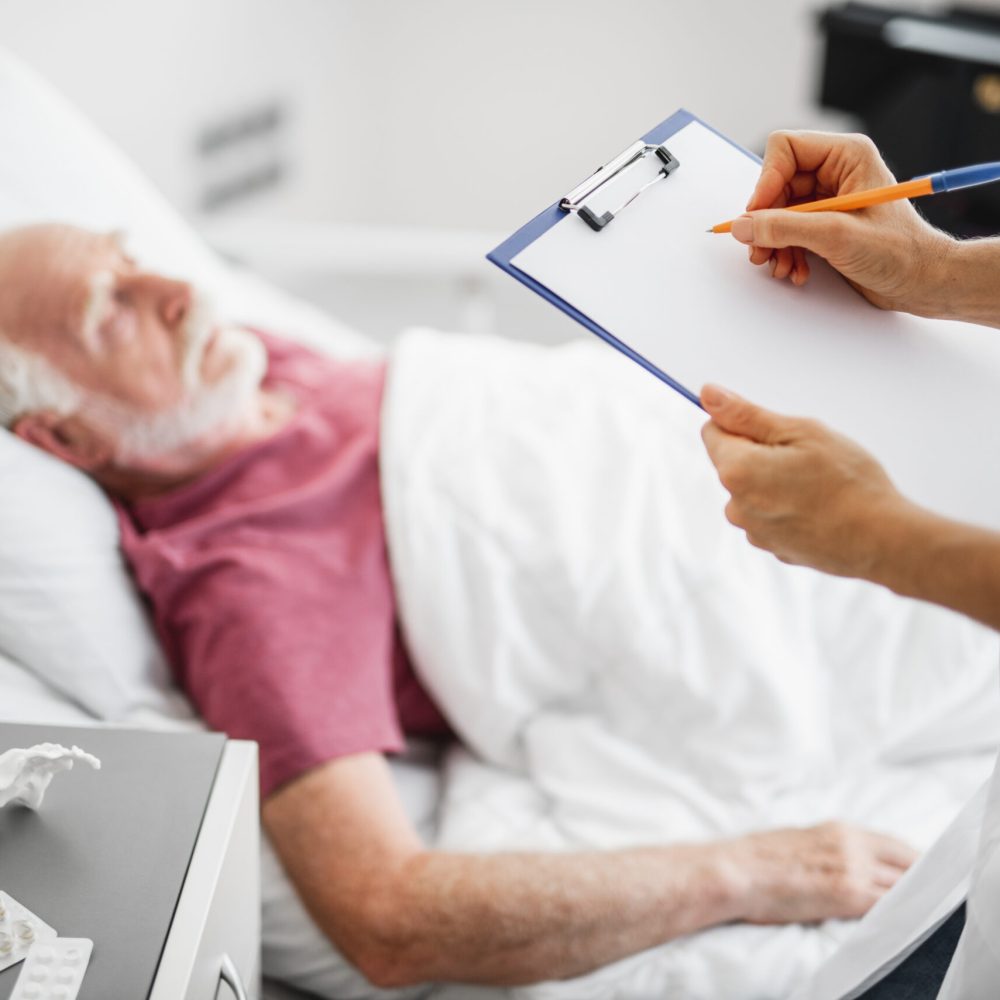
269 581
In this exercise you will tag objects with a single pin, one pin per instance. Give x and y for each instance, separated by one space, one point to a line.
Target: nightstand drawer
218 912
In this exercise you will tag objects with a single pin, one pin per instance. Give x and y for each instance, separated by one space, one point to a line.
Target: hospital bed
75 643
76 647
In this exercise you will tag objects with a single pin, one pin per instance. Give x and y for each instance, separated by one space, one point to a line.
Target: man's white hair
29 383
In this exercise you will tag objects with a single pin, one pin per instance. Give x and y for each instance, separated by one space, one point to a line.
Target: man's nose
175 302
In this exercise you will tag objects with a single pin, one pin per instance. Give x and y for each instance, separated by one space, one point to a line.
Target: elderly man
246 472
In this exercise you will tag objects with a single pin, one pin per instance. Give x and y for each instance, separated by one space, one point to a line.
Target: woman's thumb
739 416
820 232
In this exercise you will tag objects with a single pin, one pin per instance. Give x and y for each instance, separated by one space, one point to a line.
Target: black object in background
926 88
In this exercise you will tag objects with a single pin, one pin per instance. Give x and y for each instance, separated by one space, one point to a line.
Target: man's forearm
520 918
404 914
945 562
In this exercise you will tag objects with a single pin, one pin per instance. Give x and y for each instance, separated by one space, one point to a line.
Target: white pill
54 969
24 929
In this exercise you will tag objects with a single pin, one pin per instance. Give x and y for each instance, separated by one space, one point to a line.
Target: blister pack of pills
19 930
53 970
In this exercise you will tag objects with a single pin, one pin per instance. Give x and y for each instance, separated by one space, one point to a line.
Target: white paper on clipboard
922 395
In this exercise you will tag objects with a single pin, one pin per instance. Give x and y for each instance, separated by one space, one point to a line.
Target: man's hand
887 252
799 490
804 876
404 914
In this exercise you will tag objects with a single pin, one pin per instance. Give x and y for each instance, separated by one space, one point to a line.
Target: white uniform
963 863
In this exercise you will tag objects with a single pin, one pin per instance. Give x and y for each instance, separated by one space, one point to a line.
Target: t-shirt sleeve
302 664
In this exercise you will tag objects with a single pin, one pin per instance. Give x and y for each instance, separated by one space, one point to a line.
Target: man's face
111 328
153 367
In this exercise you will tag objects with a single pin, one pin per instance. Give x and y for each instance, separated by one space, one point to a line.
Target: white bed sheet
56 166
625 669
553 784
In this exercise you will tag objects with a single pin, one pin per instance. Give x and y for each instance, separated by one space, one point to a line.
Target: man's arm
815 498
404 914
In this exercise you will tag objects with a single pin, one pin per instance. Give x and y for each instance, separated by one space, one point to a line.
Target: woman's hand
799 490
887 252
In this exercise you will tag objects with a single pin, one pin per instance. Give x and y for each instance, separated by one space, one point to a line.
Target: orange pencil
944 180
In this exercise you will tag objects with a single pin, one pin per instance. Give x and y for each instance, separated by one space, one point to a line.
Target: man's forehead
50 273
116 240
56 251
80 247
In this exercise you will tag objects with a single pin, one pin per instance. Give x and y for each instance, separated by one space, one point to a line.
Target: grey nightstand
155 857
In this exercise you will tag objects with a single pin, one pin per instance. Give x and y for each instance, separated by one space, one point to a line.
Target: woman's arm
799 490
967 282
889 253
815 498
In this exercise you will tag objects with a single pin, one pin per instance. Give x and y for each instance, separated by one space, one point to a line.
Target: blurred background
366 154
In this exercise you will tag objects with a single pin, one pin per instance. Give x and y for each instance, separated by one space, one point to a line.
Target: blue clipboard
554 214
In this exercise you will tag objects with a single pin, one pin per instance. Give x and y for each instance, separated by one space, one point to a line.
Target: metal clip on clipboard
638 151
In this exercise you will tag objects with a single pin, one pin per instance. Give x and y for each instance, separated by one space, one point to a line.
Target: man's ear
68 438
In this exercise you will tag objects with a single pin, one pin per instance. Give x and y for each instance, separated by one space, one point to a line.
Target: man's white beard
208 413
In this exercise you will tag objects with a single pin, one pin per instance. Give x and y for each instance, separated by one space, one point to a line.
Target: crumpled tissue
25 773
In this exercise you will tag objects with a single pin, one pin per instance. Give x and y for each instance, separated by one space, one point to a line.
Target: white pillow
68 610
27 698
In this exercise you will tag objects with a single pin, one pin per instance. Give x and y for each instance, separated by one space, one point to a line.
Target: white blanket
624 668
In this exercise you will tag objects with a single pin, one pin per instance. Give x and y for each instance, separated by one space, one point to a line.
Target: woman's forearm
966 283
931 558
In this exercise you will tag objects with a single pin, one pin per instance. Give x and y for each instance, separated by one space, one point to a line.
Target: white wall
153 73
499 108
451 112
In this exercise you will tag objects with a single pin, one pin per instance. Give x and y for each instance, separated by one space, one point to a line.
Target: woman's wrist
899 534
936 279
964 281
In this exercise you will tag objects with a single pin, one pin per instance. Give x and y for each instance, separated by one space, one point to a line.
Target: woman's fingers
800 266
765 255
770 187
783 262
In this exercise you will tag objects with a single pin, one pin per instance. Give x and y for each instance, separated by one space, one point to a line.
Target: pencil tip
708 230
